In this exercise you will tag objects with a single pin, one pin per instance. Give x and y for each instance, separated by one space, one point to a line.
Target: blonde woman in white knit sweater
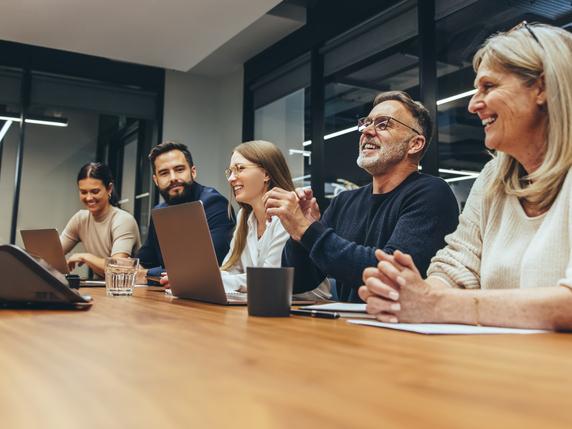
509 263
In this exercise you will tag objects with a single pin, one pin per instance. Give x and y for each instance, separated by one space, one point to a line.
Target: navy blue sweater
414 218
221 227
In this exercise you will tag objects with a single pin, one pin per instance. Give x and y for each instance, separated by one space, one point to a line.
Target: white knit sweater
497 246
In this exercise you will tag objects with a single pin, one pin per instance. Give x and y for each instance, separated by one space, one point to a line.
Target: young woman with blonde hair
256 167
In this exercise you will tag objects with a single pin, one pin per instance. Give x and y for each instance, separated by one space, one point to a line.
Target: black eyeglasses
380 123
525 25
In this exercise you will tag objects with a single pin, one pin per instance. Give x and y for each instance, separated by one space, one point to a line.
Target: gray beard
387 157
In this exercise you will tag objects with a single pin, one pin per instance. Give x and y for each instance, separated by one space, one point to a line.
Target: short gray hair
415 108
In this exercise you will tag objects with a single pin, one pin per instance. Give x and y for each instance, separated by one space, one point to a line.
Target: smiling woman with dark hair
509 263
103 228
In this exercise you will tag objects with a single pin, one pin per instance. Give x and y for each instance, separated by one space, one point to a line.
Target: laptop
46 244
189 255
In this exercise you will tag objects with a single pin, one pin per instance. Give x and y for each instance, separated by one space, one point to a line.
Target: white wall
205 114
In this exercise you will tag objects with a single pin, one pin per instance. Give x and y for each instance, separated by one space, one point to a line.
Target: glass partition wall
10 86
68 122
281 115
375 46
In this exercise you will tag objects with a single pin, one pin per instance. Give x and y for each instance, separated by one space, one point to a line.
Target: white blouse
263 252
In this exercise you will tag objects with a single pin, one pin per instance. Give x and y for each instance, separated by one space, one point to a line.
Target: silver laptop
189 255
46 244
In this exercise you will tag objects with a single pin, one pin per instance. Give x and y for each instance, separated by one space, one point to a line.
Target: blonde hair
268 157
549 58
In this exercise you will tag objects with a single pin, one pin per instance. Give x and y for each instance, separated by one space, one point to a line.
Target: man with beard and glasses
401 209
174 174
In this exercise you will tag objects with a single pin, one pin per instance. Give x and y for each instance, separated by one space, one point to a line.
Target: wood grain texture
151 361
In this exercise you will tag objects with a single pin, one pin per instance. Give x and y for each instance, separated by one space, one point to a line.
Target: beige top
116 232
497 246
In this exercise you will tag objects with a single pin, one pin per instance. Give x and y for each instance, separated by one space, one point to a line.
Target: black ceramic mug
269 291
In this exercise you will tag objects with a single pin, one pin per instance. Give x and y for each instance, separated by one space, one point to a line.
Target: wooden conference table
151 361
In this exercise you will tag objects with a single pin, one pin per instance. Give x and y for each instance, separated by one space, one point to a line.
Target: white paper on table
444 329
344 309
337 306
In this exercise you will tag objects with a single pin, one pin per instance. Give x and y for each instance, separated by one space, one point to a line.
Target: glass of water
120 276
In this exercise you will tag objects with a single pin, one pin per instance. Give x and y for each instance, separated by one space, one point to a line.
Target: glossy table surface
154 361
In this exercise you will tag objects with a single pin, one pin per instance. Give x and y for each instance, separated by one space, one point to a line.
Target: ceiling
171 34
261 34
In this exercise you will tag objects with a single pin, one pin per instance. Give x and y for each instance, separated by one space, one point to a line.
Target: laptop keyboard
235 295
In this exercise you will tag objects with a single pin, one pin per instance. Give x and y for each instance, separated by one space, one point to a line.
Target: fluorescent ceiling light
53 122
9 118
458 179
458 172
341 132
299 152
456 97
300 178
5 129
334 134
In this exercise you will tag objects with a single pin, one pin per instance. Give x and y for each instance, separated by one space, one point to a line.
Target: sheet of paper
92 283
338 306
444 329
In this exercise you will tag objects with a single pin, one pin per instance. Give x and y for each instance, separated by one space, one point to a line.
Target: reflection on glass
9 138
127 201
52 159
283 123
10 83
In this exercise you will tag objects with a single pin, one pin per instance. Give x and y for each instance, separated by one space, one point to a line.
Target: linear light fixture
299 152
39 120
301 178
463 174
456 97
334 134
5 129
458 172
458 179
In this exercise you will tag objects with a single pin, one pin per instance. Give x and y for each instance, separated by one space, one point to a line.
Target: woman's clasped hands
394 291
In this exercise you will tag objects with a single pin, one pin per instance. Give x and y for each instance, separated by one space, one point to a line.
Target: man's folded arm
342 259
